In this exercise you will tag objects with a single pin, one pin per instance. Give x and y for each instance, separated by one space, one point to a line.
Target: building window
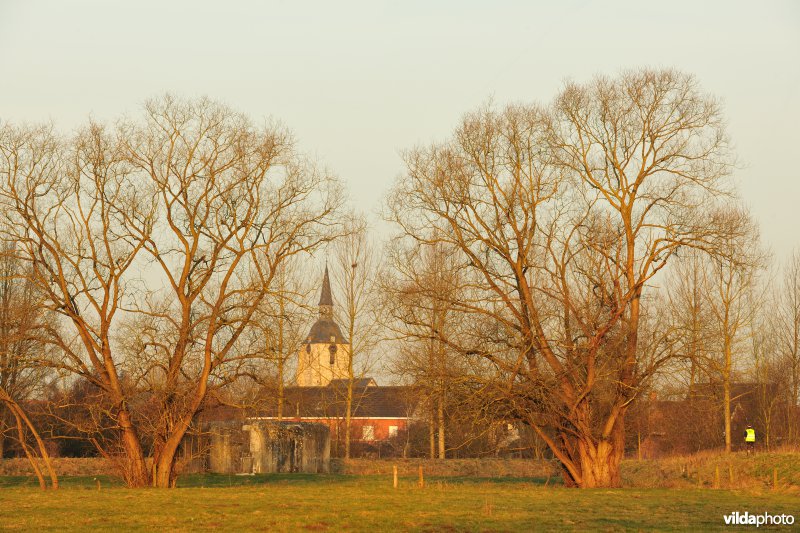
368 433
392 431
332 349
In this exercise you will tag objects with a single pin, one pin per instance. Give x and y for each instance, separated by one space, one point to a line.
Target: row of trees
551 264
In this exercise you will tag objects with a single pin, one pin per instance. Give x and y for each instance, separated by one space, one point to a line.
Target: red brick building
378 414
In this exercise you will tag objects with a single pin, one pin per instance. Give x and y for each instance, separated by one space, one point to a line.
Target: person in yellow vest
750 438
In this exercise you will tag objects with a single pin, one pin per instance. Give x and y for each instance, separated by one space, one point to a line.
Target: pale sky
357 82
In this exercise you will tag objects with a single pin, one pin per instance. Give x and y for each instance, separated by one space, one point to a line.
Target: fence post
394 468
421 479
716 477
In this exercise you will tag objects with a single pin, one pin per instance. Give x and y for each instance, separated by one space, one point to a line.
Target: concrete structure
260 446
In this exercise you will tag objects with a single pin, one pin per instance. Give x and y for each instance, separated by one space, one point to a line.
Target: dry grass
736 471
64 466
475 468
712 469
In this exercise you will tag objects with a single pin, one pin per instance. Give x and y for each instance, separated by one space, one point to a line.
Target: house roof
369 401
357 383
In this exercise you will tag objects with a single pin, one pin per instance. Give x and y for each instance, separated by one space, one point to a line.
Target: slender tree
67 204
733 275
355 278
788 335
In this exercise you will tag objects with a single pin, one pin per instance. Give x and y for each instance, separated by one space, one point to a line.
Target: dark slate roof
330 402
322 331
325 297
357 383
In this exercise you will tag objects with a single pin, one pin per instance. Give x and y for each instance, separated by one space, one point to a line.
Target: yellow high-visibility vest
751 435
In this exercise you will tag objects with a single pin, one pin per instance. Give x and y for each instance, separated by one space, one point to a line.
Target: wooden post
774 478
716 477
394 468
730 474
638 445
421 478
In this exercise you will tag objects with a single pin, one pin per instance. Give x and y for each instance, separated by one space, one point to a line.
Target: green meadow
297 502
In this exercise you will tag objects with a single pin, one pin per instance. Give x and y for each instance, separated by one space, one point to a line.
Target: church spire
325 298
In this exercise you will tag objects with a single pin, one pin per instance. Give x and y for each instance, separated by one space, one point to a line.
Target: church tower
324 354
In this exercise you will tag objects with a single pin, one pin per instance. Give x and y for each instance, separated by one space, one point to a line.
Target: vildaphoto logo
764 519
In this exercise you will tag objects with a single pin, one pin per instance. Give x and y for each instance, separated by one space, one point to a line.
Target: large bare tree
235 201
562 215
182 219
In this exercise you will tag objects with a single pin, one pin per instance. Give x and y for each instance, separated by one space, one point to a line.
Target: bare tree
23 426
194 199
768 376
733 275
424 281
235 203
787 316
355 277
21 319
275 337
67 205
561 217
687 294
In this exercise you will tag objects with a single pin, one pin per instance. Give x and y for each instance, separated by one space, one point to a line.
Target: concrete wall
263 446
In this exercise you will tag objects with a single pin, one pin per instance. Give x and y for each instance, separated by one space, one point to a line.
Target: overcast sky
359 82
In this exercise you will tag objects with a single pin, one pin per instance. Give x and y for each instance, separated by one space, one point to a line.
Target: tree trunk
601 469
281 358
28 454
440 416
164 464
726 387
280 389
135 469
348 416
432 435
599 465
793 405
587 462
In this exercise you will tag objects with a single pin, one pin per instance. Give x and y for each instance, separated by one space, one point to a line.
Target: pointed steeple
325 298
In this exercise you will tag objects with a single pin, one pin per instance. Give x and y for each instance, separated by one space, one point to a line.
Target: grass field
288 502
